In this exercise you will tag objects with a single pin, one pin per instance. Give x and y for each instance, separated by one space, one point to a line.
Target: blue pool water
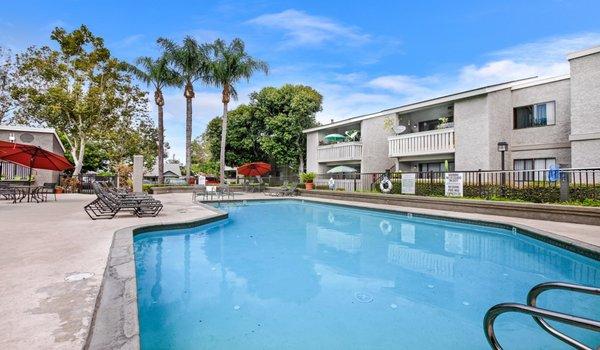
293 275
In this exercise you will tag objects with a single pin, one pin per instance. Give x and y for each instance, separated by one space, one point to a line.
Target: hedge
535 194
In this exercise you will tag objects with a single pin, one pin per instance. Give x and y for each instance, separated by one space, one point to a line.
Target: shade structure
254 169
341 169
334 137
33 157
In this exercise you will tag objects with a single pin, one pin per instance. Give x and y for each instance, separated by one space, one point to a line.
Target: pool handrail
540 314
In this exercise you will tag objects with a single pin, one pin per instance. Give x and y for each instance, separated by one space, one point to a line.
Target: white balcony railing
340 151
422 143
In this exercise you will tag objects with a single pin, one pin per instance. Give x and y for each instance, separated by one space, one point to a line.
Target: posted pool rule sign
453 184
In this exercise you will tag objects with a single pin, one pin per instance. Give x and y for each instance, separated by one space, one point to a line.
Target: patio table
29 192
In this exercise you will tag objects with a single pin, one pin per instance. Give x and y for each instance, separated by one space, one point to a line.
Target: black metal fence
549 185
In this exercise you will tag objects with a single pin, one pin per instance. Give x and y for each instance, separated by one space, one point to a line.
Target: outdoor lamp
11 137
502 146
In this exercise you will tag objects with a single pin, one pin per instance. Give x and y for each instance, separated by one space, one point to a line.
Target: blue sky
361 56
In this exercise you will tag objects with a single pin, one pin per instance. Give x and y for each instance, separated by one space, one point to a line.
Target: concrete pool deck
48 246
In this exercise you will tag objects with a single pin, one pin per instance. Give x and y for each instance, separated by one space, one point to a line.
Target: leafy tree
231 63
243 143
286 112
7 78
156 72
94 159
191 63
129 137
79 89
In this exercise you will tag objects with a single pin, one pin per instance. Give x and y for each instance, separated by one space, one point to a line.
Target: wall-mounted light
11 137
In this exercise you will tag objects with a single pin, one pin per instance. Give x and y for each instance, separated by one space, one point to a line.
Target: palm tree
190 60
156 72
230 64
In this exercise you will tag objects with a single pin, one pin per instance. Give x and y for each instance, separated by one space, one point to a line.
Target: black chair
46 189
107 204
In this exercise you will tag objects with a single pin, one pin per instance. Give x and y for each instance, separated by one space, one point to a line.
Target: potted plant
58 189
308 178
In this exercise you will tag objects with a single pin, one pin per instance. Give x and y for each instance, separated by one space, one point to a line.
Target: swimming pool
301 275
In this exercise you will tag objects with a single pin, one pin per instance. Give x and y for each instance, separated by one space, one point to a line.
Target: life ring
385 227
386 185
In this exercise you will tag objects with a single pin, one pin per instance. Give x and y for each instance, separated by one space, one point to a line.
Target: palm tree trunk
188 138
161 148
223 143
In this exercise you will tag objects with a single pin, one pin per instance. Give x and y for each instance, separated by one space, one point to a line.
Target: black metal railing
548 185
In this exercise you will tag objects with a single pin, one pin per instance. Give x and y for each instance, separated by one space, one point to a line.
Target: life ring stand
386 185
385 227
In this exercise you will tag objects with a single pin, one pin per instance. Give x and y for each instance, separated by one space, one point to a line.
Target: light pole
502 147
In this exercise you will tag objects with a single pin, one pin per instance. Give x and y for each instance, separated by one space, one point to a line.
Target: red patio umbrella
33 157
254 169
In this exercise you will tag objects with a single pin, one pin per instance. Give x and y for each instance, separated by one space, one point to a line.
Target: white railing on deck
340 151
422 143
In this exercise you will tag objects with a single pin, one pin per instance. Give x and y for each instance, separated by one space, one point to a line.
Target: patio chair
7 192
107 205
46 189
225 191
199 190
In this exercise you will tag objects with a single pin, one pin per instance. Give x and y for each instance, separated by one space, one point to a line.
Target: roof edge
25 128
582 53
426 103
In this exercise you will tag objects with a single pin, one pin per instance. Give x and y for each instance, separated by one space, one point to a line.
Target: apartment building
544 121
45 138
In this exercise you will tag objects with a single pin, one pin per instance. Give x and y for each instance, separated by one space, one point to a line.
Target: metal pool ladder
540 315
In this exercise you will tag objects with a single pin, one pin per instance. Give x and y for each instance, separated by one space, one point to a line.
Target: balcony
422 143
340 152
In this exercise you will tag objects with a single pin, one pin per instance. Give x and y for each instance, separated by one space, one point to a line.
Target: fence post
430 182
479 190
564 186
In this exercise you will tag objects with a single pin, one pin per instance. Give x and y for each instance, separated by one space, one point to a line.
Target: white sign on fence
202 180
409 183
453 183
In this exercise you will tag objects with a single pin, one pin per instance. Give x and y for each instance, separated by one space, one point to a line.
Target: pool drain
363 297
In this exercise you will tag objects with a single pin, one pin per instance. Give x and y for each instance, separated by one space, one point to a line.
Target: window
540 114
432 124
535 167
435 167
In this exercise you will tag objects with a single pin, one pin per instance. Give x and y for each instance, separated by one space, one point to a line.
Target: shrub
307 177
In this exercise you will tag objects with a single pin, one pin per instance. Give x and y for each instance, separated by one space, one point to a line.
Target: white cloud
543 58
303 29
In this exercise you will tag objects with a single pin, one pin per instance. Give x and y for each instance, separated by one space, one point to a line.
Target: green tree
157 73
131 136
79 89
7 78
244 132
191 62
286 112
230 64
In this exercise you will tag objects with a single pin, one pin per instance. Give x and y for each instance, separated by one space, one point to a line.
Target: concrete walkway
46 247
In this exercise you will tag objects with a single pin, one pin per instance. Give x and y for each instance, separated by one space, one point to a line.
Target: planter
309 185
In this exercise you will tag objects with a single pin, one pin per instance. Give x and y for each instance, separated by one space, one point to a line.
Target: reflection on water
275 272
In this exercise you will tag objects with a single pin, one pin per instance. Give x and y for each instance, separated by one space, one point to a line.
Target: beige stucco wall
312 142
585 111
375 145
471 130
551 141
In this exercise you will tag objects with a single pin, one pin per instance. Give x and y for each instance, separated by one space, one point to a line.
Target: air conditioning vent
26 137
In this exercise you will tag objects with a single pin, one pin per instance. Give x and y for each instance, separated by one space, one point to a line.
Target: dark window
533 169
432 124
540 114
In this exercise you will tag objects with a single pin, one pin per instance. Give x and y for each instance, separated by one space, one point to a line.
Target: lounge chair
107 205
285 190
